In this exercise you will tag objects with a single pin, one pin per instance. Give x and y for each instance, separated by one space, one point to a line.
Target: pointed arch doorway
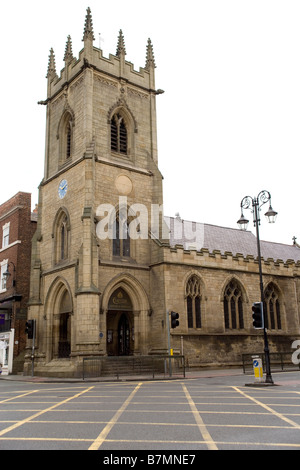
120 324
64 330
58 330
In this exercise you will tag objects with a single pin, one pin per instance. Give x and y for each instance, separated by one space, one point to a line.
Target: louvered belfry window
69 134
118 134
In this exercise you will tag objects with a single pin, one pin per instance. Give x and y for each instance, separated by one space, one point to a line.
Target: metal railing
281 361
117 367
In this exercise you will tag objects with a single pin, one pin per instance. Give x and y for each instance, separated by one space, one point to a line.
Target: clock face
62 188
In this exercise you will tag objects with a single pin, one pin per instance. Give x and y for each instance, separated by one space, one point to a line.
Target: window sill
10 245
122 262
121 156
65 164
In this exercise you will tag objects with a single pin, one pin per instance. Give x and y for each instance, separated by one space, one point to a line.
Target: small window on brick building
5 235
3 269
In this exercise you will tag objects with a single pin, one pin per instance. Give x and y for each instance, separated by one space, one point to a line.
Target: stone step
130 366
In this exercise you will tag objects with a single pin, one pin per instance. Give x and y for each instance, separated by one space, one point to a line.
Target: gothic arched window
118 134
61 236
65 136
63 239
272 307
68 140
193 302
233 306
121 240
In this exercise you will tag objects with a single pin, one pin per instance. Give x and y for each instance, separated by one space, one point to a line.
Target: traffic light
258 315
29 328
174 319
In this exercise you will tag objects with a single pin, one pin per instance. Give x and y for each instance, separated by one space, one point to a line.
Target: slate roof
194 235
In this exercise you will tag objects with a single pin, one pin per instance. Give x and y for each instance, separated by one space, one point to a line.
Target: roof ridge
279 243
207 224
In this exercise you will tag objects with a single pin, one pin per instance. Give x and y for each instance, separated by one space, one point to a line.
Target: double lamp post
255 204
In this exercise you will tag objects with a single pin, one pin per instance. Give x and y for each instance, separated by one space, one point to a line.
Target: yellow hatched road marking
18 396
156 441
30 418
104 433
204 432
234 443
268 408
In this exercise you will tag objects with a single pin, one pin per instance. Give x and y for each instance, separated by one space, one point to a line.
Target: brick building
17 226
101 283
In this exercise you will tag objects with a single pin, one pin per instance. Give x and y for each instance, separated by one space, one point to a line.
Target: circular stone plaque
123 184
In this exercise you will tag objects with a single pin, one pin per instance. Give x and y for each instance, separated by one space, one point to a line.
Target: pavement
193 374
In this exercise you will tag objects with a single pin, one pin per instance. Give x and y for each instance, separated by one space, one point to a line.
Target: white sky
228 122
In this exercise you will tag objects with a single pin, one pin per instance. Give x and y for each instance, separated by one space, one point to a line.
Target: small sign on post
257 368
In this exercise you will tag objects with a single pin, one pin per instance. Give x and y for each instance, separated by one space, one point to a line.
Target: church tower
91 278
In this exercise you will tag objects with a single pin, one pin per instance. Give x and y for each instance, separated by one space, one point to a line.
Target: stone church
107 264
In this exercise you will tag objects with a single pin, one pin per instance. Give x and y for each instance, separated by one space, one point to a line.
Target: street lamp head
5 278
243 222
271 215
6 274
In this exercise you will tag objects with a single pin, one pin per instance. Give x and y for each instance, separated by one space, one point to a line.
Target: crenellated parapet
227 248
215 259
92 57
84 96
